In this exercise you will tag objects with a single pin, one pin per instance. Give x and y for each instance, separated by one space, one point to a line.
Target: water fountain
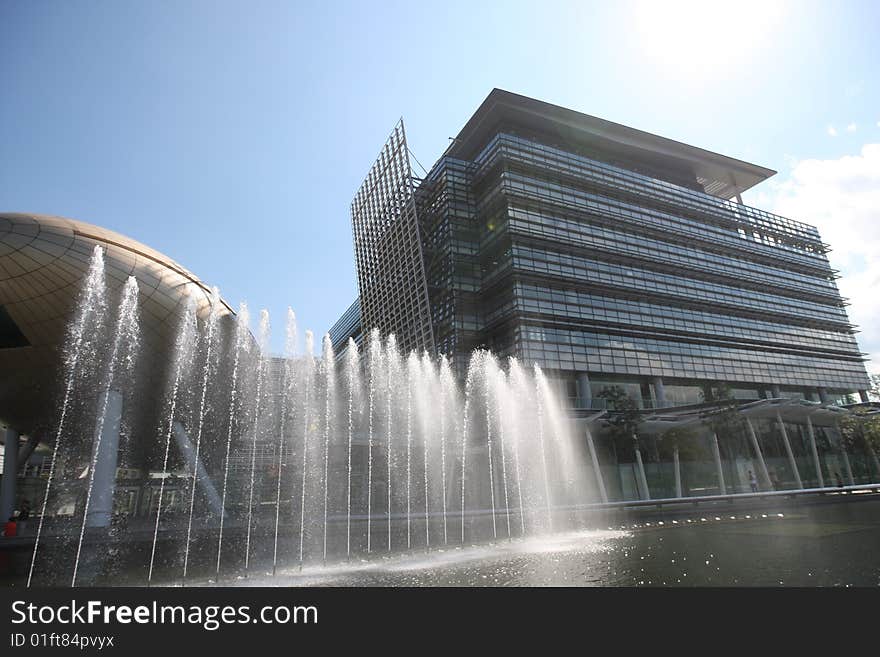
311 456
121 359
184 348
239 348
78 347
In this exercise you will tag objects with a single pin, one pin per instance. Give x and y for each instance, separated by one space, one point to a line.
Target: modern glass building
607 255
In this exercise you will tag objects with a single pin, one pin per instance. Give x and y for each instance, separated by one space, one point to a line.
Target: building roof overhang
790 410
720 175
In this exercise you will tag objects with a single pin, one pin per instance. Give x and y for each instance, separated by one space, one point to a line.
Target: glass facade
546 240
347 326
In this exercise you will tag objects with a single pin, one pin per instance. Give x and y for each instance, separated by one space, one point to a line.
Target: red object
10 528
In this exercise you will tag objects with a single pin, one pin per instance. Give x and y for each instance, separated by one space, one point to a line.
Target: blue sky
232 136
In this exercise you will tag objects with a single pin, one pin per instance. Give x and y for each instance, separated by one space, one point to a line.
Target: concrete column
791 461
823 395
659 391
774 391
585 397
876 463
24 453
863 396
10 472
677 472
105 456
846 463
816 461
758 453
188 452
643 480
600 482
717 452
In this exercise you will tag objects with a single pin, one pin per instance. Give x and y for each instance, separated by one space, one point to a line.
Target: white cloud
842 199
851 127
832 131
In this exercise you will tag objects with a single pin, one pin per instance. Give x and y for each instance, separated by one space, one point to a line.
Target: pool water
828 544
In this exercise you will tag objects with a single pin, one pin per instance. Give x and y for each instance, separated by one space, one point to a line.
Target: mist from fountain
207 368
287 382
123 354
315 454
261 358
240 350
182 361
78 347
328 369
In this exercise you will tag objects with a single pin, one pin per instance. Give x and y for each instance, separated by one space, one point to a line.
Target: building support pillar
105 456
876 463
659 392
27 449
188 452
600 482
815 452
823 395
644 493
863 396
846 463
717 452
775 392
10 474
585 397
791 461
677 464
758 453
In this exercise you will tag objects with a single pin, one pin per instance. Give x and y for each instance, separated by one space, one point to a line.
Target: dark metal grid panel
388 250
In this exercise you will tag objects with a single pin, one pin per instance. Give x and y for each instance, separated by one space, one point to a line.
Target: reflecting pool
775 544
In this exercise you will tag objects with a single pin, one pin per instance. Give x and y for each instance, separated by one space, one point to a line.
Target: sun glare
704 39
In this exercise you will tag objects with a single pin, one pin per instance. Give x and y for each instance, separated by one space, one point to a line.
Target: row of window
566 196
612 176
587 270
601 352
582 305
584 233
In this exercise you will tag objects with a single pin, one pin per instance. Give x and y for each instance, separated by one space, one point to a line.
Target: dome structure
43 263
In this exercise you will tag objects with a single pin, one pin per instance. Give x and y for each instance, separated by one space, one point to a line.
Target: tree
874 387
623 426
723 417
684 439
624 418
677 443
861 427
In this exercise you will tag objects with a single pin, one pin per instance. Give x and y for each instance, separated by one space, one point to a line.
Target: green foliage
724 418
690 446
624 417
874 388
861 428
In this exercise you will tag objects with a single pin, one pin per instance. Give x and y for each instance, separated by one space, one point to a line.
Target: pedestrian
774 480
9 529
753 481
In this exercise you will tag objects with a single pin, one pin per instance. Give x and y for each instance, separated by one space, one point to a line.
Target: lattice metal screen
388 250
